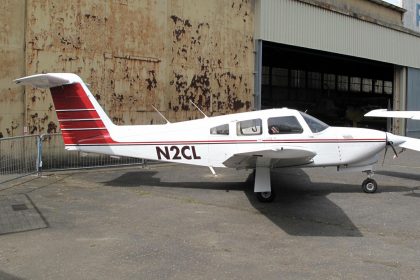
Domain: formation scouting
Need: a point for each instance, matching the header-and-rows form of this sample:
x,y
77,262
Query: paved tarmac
x,y
180,222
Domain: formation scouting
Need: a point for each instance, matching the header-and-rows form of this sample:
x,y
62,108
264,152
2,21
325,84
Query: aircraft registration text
x,y
177,153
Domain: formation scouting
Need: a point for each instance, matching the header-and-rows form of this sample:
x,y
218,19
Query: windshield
x,y
314,124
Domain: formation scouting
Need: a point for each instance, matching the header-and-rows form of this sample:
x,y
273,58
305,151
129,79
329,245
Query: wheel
x,y
369,186
265,196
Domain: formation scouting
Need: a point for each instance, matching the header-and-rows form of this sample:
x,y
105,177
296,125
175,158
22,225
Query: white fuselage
x,y
191,142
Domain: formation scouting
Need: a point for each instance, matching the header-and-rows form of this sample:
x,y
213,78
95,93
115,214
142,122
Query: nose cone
x,y
395,139
359,146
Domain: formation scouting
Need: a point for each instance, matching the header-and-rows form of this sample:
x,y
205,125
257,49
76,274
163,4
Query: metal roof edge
x,y
389,5
363,17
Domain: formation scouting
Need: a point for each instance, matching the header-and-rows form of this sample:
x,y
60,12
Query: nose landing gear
x,y
369,185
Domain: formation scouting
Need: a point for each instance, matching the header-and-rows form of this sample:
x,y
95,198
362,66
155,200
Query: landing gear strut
x,y
262,184
369,185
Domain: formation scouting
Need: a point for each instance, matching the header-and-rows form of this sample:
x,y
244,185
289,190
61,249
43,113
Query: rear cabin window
x,y
220,130
249,127
284,125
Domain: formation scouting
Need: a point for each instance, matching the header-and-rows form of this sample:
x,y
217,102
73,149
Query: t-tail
x,y
82,120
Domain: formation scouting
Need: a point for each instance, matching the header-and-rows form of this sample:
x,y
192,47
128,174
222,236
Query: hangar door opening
x,y
335,88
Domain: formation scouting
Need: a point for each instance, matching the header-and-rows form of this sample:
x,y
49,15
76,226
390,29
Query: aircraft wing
x,y
415,115
274,157
404,141
407,143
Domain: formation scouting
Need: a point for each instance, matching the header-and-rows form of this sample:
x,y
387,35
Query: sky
x,y
395,2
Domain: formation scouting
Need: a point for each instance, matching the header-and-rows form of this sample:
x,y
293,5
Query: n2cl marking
x,y
177,153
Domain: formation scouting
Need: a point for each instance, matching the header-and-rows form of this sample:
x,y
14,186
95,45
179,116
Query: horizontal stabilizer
x,y
48,80
415,115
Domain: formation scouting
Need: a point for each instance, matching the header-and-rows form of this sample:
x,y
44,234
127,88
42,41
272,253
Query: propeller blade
x,y
386,148
393,148
389,143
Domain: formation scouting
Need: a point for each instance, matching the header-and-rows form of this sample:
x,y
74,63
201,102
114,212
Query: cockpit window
x,y
284,125
220,130
314,124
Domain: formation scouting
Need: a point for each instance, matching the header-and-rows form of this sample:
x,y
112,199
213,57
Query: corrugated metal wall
x,y
134,54
299,24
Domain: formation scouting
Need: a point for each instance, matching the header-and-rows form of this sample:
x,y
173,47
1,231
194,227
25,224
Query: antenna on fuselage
x,y
160,114
198,109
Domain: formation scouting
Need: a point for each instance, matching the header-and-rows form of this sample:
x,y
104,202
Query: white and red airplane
x,y
260,140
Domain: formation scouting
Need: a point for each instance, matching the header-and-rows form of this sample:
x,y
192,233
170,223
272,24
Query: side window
x,y
220,130
284,125
249,127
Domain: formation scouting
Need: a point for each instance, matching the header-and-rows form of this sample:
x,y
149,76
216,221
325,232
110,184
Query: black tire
x,y
369,186
265,196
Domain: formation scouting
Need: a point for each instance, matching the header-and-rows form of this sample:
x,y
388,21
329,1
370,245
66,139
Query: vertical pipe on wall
x,y
257,74
25,94
400,97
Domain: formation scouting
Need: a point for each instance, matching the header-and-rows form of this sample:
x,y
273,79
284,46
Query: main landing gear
x,y
264,193
369,185
265,196
262,184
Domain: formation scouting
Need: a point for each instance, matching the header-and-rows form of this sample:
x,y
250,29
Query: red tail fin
x,y
78,118
81,118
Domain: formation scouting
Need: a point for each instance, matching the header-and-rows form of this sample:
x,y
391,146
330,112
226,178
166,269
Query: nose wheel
x,y
369,185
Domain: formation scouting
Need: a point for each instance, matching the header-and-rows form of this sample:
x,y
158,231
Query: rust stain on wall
x,y
135,54
212,60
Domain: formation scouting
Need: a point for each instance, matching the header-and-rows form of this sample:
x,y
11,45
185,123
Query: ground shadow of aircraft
x,y
301,208
7,276
402,175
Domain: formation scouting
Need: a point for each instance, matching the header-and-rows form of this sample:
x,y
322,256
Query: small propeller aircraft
x,y
259,140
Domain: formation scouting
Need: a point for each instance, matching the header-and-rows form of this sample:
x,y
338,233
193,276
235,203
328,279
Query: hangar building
x,y
335,59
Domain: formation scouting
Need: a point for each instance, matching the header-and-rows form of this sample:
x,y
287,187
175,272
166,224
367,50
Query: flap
x,y
274,157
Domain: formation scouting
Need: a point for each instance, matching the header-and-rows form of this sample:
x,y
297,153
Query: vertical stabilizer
x,y
82,120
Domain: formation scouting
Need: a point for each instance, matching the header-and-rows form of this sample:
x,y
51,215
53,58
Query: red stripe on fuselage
x,y
78,117
204,142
